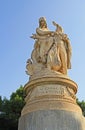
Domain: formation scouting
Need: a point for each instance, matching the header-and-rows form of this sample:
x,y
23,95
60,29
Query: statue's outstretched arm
x,y
55,24
58,27
42,32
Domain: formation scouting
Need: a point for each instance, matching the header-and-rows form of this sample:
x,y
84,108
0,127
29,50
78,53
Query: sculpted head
x,y
42,22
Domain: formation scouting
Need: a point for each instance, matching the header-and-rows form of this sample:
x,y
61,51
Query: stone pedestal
x,y
51,104
52,120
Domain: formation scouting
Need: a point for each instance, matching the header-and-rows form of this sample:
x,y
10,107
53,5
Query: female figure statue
x,y
52,48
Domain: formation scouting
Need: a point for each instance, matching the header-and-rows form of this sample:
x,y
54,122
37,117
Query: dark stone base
x,y
52,120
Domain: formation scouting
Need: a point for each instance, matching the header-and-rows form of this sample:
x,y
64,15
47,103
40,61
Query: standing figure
x,y
44,40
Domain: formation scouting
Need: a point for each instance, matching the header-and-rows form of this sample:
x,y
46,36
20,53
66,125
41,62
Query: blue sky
x,y
19,19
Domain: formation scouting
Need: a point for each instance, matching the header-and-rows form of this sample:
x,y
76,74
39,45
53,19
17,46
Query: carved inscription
x,y
51,89
47,90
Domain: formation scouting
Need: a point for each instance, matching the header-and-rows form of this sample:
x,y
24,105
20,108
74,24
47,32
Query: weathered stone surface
x,y
52,120
50,93
51,105
52,50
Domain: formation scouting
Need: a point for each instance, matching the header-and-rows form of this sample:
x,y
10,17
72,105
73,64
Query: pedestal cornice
x,y
51,93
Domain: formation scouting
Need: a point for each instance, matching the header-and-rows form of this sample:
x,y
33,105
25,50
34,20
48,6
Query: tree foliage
x,y
10,110
82,105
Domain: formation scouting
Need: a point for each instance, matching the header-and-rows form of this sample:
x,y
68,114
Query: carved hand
x,y
33,36
54,23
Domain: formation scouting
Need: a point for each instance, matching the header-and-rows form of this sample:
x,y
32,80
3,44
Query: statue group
x,y
52,50
50,93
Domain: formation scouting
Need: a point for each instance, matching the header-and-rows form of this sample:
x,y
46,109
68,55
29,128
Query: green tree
x,y
82,105
0,104
11,110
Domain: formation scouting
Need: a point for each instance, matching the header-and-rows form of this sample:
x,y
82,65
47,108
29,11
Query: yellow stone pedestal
x,y
51,93
51,100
